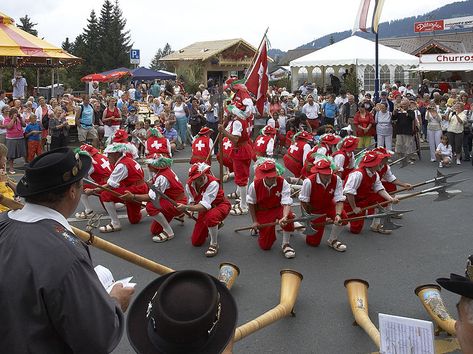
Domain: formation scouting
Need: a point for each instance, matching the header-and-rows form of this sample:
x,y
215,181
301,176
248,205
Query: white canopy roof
x,y
355,50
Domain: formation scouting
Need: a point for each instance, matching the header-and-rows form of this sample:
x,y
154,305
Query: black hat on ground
x,y
182,312
51,170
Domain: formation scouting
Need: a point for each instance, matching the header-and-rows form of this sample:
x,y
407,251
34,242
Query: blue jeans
x,y
181,127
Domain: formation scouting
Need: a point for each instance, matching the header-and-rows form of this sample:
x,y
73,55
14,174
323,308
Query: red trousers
x,y
207,219
389,187
242,171
267,235
315,239
293,166
227,162
34,149
133,209
357,226
167,209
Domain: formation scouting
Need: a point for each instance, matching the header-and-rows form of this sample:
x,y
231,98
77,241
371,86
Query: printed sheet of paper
x,y
402,335
106,278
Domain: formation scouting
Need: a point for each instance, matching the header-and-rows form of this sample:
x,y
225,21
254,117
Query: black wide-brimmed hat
x,y
182,312
51,170
457,284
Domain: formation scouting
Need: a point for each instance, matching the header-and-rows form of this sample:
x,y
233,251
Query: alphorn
x,y
429,295
228,273
290,284
108,246
128,255
357,290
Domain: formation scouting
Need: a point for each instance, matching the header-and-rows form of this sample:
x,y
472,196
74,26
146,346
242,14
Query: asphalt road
x,y
435,240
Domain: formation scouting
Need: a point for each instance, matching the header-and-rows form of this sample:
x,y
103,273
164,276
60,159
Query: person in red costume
x,y
242,104
297,153
227,161
127,176
121,137
207,198
322,193
344,158
362,188
323,148
390,183
269,199
201,147
99,173
162,211
237,132
264,143
157,144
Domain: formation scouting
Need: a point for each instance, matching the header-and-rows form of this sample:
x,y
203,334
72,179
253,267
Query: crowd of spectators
x,y
399,119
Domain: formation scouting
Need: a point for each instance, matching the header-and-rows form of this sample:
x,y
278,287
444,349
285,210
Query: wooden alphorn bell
x,y
290,284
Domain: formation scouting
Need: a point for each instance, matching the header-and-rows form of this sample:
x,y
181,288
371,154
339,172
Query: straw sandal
x,y
337,245
109,228
237,210
211,251
379,229
288,251
83,215
162,237
233,195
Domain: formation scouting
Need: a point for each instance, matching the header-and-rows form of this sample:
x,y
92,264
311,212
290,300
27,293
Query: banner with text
x,y
444,25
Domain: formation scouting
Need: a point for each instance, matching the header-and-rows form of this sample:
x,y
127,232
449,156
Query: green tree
x,y
156,64
91,37
27,25
120,38
67,45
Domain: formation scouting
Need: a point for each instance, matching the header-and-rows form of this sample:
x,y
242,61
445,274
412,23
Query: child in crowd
x,y
7,188
33,138
147,125
132,119
444,152
138,137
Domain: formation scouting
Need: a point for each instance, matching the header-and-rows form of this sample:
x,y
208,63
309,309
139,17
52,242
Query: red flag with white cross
x,y
257,80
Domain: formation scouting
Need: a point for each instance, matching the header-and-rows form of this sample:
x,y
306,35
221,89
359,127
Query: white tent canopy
x,y
352,51
352,54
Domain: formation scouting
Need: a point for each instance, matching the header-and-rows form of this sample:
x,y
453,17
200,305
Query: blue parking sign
x,y
134,56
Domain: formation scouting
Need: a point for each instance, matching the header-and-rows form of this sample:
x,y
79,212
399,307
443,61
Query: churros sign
x,y
447,58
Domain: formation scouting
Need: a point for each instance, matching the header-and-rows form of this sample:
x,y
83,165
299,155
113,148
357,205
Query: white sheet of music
x,y
403,335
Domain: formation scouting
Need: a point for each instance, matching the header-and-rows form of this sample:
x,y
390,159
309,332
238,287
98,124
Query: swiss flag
x,y
257,80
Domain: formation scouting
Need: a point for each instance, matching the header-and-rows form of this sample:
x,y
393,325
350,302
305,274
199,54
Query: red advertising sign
x,y
429,26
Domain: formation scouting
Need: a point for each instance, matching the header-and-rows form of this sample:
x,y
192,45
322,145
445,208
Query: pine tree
x,y
67,45
92,41
121,38
105,35
27,25
156,64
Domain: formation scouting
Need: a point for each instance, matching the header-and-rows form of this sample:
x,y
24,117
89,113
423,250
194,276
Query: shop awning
x,y
444,67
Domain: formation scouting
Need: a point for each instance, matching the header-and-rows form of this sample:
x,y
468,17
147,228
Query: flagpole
x,y
256,55
376,80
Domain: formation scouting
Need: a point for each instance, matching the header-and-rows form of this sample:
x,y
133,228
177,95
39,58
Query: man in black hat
x,y
51,298
463,286
183,312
